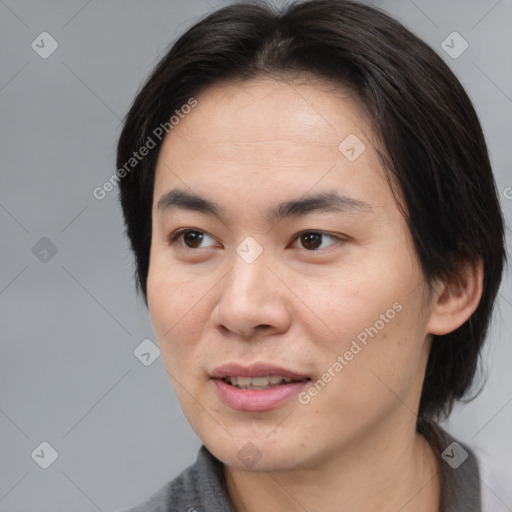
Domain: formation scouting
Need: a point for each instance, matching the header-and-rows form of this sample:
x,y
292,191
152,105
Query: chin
x,y
250,453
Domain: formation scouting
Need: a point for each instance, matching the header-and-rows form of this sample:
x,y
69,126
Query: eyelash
x,y
173,238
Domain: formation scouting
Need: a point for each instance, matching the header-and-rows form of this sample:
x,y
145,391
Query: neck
x,y
394,470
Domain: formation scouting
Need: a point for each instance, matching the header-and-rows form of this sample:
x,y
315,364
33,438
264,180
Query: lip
x,y
254,370
256,399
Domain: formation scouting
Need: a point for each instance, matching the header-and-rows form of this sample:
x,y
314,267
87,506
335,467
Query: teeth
x,y
260,381
242,381
257,382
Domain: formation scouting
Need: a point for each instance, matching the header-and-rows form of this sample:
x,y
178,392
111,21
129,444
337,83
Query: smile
x,y
256,387
267,382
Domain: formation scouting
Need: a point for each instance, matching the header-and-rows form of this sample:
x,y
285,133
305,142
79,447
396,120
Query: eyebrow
x,y
320,202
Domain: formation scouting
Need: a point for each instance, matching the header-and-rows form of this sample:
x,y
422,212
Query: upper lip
x,y
254,370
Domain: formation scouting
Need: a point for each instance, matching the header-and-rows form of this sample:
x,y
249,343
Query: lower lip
x,y
257,399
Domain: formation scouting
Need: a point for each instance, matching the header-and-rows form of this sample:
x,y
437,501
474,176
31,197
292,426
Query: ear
x,y
456,299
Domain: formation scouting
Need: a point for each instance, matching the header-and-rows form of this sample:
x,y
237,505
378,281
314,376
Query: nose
x,y
252,300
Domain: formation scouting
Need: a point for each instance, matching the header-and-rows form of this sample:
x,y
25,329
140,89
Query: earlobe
x,y
456,299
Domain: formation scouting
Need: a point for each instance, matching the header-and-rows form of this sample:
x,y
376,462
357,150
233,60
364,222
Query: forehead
x,y
274,134
271,112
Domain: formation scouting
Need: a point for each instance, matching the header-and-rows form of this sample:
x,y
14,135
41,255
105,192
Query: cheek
x,y
178,309
344,305
377,325
382,362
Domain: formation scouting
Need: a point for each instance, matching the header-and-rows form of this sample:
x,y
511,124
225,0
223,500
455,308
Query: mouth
x,y
257,387
267,382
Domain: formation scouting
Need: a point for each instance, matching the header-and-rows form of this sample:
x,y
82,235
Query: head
x,y
322,200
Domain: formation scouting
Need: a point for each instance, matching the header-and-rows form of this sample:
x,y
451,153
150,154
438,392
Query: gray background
x,y
71,321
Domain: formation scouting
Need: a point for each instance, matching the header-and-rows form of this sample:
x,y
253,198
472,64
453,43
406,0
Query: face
x,y
278,251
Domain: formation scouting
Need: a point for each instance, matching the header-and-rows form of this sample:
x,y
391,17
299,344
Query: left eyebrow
x,y
320,202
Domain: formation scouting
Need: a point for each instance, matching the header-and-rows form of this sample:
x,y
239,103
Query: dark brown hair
x,y
434,147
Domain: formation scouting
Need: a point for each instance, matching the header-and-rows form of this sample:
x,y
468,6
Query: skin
x,y
353,447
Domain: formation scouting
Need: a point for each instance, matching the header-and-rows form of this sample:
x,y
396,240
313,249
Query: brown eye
x,y
312,240
192,239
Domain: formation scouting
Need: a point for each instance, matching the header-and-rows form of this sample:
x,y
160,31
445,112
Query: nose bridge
x,y
249,275
249,297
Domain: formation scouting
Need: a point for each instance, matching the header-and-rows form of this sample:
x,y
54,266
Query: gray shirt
x,y
202,488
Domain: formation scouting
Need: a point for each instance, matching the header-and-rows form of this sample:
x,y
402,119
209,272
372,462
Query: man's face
x,y
332,295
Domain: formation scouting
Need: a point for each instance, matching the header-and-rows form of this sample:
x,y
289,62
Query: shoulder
x,y
461,476
199,487
496,484
471,483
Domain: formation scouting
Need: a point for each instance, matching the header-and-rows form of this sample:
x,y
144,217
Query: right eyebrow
x,y
178,198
